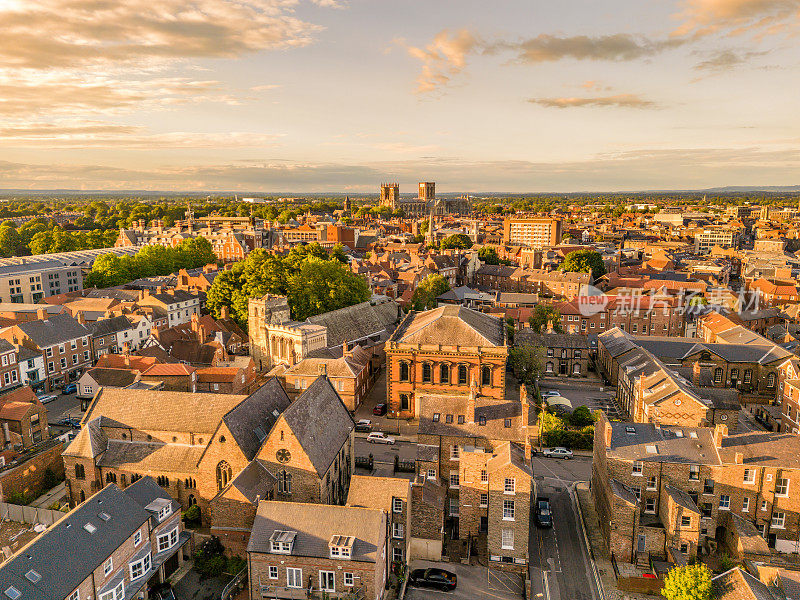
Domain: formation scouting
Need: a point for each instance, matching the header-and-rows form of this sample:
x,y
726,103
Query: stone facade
x,y
260,312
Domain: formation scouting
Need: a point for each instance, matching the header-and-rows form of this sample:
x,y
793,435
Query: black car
x,y
434,578
544,518
163,592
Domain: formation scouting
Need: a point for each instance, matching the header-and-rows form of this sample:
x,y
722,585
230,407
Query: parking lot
x,y
473,582
589,393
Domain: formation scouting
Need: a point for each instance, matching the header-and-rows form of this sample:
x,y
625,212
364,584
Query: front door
x,y
562,368
484,524
641,543
771,540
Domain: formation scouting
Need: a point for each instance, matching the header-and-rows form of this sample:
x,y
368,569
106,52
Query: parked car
x,y
551,393
557,453
44,398
380,409
70,388
70,422
378,437
434,578
364,425
544,517
163,592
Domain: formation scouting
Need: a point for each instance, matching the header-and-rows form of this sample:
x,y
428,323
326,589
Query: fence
x,y
29,514
234,584
640,585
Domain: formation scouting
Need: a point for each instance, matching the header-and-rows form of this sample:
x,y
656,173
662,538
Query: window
x,y
724,502
462,374
137,538
484,476
273,572
73,344
718,372
708,486
76,595
85,355
427,373
403,371
284,482
397,531
778,519
431,474
482,420
454,479
436,417
444,373
51,367
460,419
448,419
48,352
782,487
327,581
749,476
294,577
549,352
684,548
510,485
454,452
140,567
118,593
637,467
694,472
397,505
484,500
348,579
486,375
453,507
224,475
63,362
108,566
651,483
686,521
164,512
745,504
764,505
771,378
507,539
508,510
507,423
637,491
167,540
650,505
748,375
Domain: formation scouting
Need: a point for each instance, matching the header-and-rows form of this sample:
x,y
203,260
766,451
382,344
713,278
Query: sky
x,y
315,96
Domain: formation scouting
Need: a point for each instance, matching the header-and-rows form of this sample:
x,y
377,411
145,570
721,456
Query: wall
x,y
26,478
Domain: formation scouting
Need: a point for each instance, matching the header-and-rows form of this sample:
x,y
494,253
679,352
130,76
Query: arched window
x,y
124,480
462,374
486,375
548,367
111,478
403,371
224,475
284,482
427,373
83,496
403,401
718,375
80,472
576,369
771,378
192,500
444,373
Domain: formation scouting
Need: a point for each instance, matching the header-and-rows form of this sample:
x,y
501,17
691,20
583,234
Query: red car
x,y
380,409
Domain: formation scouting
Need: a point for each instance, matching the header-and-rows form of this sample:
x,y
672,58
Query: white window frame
x,y
397,505
749,476
507,539
510,486
724,502
398,531
108,566
145,563
171,540
431,474
484,503
137,538
76,595
273,571
294,577
348,579
776,522
164,512
324,588
638,468
746,504
455,480
118,593
779,485
484,476
455,453
509,510
647,503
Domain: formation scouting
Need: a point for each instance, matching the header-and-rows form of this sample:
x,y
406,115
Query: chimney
x,y
6,432
696,371
738,458
159,289
126,348
471,402
195,322
550,326
720,432
609,431
42,314
345,350
154,331
323,369
224,313
80,318
127,359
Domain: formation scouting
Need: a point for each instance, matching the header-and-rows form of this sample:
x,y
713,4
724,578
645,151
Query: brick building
x,y
687,490
565,354
392,495
333,551
23,413
448,351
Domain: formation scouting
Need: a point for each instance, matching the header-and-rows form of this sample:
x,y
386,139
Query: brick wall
x,y
27,478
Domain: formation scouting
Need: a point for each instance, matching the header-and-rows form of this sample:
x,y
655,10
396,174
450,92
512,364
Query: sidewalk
x,y
601,558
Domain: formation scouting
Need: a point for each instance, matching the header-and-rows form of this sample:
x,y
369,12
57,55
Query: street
x,y
559,559
65,405
385,453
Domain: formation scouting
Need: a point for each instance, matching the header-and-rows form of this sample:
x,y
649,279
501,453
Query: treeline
x,y
313,280
109,269
43,236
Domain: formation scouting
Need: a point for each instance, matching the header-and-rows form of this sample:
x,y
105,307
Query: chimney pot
x,y
739,458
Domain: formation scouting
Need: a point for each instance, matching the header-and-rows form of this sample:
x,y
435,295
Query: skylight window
x,y
33,576
678,433
630,430
651,449
90,528
693,434
13,593
105,516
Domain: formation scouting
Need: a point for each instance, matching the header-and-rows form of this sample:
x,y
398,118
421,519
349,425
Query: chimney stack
x,y
738,458
720,432
471,402
80,318
224,312
609,432
41,313
696,371
194,322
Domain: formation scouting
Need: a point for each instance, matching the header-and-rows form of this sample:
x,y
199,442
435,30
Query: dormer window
x,y
282,542
341,546
164,512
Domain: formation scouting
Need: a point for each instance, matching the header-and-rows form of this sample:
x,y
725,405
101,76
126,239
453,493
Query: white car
x,y
378,437
551,393
557,453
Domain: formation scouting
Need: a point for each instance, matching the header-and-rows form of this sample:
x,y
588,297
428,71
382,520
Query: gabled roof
x,y
109,326
112,377
255,482
737,584
320,422
55,330
453,325
359,321
251,420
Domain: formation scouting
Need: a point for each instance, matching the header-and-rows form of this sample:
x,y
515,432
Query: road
x,y
66,405
385,452
585,392
559,558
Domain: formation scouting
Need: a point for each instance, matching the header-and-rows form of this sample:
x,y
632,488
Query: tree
x,y
488,255
692,582
428,290
194,252
526,362
584,261
581,417
9,240
542,315
324,285
457,240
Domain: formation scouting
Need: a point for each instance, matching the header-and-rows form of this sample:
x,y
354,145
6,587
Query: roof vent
x,y
678,433
630,430
33,576
90,528
693,434
105,516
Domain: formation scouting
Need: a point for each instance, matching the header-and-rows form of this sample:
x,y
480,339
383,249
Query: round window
x,y
723,417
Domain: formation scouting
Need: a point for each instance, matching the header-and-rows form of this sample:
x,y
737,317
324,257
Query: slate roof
x,y
255,482
763,448
108,326
316,524
495,411
112,377
151,457
251,420
681,498
320,422
737,584
55,330
622,491
377,492
359,321
669,446
66,554
453,325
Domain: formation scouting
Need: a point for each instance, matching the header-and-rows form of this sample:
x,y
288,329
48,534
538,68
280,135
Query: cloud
x,y
42,34
442,59
639,169
725,60
705,17
617,47
618,101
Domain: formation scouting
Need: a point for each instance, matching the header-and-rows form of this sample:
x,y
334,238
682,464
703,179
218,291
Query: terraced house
x,y
684,491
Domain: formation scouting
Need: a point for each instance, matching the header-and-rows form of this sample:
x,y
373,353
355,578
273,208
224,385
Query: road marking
x,y
564,483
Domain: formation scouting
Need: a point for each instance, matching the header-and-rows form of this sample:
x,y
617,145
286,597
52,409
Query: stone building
x,y
261,312
327,551
681,491
449,351
565,354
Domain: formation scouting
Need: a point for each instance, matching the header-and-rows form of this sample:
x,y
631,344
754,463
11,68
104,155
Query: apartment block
x,y
29,279
531,232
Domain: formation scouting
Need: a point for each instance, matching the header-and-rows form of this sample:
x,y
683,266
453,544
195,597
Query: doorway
x,y
641,543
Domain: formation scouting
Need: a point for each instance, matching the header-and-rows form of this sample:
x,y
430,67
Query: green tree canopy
x,y
692,582
526,362
428,290
584,261
324,285
542,314
489,255
457,240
